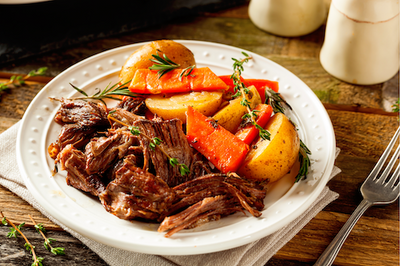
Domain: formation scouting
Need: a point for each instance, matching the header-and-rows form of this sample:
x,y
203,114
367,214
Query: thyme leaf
x,y
47,241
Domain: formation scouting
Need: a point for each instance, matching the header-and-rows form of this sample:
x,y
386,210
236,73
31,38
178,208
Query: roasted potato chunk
x,y
231,115
175,106
272,159
177,52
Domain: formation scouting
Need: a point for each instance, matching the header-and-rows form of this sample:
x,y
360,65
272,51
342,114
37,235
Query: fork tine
x,y
394,177
390,165
373,174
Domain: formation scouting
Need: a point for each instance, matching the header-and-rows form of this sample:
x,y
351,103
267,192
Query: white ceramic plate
x,y
85,214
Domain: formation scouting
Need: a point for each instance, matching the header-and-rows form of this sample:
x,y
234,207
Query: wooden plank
x,y
14,101
12,250
361,134
369,232
9,200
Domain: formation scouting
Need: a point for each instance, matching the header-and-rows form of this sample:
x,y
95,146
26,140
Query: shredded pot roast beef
x,y
136,181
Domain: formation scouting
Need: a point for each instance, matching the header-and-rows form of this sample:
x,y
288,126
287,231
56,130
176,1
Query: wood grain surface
x,y
361,117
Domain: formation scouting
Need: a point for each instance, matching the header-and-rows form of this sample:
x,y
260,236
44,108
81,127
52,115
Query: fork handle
x,y
330,253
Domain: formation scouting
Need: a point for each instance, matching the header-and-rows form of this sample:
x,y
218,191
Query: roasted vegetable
x,y
140,59
219,146
260,84
175,106
231,115
272,159
249,132
148,81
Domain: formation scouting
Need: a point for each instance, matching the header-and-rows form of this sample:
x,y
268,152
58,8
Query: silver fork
x,y
376,189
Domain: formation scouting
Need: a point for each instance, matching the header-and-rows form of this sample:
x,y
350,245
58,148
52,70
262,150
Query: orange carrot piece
x,y
146,81
249,132
260,84
218,145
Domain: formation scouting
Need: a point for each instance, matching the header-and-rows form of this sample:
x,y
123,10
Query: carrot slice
x,y
218,145
260,84
147,81
249,132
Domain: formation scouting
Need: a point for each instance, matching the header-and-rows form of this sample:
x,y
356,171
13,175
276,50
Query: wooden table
x,y
361,117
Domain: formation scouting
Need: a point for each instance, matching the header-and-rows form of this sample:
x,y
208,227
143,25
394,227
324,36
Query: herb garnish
x,y
242,90
47,241
277,103
186,72
15,231
153,143
275,100
108,93
395,106
18,80
163,65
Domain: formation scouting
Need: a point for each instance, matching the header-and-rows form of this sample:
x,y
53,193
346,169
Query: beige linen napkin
x,y
256,253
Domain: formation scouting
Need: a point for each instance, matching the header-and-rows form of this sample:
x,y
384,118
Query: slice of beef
x,y
74,161
80,121
82,113
136,193
201,166
173,142
103,152
123,116
133,105
210,197
76,135
215,207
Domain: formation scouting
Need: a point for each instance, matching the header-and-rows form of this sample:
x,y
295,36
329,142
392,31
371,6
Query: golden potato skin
x,y
272,159
177,52
231,115
175,106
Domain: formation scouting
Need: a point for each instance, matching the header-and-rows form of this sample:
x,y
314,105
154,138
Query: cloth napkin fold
x,y
256,253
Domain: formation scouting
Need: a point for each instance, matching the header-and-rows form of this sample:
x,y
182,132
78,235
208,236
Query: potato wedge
x,y
177,52
272,159
175,106
231,115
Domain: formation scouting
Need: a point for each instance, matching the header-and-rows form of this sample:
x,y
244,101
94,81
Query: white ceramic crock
x,y
361,43
288,17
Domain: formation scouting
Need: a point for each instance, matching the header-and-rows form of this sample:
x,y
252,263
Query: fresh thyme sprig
x,y
153,143
18,80
109,92
242,90
47,241
37,261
